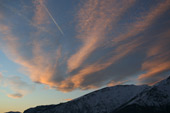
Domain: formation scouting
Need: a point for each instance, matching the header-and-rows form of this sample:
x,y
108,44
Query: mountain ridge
x,y
116,99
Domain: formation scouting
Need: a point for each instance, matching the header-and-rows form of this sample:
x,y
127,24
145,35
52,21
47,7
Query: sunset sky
x,y
52,51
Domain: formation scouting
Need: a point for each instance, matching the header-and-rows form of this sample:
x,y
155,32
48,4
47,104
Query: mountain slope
x,y
156,100
101,101
117,99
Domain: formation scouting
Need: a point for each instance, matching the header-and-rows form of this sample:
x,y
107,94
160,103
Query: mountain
x,y
117,99
101,101
155,100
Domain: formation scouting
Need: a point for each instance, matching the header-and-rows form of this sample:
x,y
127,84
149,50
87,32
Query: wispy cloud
x,y
94,20
144,21
157,61
40,13
114,83
68,99
16,85
1,16
15,96
139,47
78,80
41,16
0,76
40,65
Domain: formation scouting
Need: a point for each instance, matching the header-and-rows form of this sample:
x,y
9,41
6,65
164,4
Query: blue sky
x,y
52,51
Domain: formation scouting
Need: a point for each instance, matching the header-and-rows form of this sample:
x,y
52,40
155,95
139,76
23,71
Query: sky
x,y
52,51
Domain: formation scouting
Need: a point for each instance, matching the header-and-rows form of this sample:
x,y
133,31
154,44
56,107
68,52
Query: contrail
x,y
53,19
24,17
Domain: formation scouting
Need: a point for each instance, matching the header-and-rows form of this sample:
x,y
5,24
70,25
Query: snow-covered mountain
x,y
156,99
117,99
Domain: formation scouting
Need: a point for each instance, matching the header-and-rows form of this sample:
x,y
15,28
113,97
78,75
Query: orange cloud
x,y
16,85
156,70
0,76
15,96
40,13
160,46
158,60
68,99
155,66
4,29
94,21
41,67
114,83
144,22
1,16
76,80
10,40
76,60
41,19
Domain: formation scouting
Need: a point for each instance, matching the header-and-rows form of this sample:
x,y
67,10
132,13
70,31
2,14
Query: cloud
x,y
16,85
113,83
86,74
68,99
144,21
157,61
1,77
94,18
4,29
37,61
120,50
16,95
33,59
40,13
116,40
1,16
156,66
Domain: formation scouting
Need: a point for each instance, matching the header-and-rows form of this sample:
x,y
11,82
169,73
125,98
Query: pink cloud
x,y
16,85
40,13
144,22
94,20
68,99
157,60
15,96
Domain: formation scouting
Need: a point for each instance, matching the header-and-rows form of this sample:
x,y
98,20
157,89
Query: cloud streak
x,y
92,29
144,21
40,15
19,87
158,61
110,47
15,96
